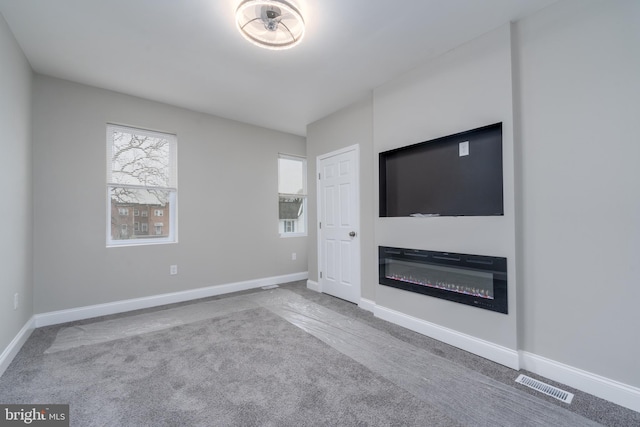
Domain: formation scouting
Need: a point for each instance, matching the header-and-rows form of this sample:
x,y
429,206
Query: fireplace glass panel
x,y
477,280
467,282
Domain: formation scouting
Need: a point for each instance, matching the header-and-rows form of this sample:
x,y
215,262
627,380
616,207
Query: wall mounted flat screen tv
x,y
456,175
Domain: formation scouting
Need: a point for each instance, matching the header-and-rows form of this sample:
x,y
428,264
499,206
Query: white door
x,y
338,216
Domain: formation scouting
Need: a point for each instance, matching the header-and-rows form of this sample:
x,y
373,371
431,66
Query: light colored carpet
x,y
248,368
262,358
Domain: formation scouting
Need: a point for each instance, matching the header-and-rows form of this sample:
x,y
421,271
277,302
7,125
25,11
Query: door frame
x,y
356,148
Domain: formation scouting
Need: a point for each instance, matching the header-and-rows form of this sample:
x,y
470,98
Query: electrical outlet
x,y
173,269
293,256
15,301
463,148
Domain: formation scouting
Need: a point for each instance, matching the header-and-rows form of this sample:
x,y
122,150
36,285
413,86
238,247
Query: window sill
x,y
141,242
287,235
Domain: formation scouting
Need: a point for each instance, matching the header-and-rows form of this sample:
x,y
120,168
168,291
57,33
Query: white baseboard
x,y
70,315
367,304
605,388
314,286
486,349
15,345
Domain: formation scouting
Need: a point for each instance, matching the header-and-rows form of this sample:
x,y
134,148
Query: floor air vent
x,y
547,389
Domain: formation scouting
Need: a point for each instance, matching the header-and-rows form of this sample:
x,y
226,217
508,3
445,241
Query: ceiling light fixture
x,y
272,24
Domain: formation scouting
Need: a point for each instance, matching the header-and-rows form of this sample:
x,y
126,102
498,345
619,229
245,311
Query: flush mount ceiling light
x,y
272,24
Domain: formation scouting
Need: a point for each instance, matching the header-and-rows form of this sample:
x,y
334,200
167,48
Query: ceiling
x,y
188,53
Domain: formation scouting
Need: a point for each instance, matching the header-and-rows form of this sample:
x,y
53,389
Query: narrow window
x,y
141,175
292,195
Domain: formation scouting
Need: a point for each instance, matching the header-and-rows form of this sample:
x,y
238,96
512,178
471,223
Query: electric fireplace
x,y
477,280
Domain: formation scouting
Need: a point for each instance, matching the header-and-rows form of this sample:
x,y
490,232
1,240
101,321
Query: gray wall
x,y
16,249
571,219
466,88
349,126
578,102
228,204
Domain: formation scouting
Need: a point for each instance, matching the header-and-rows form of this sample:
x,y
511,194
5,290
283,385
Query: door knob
x,y
352,234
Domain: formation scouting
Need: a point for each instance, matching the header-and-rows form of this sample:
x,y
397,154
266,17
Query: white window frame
x,y
303,196
173,190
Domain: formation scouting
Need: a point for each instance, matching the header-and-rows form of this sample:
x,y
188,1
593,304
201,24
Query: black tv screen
x,y
456,175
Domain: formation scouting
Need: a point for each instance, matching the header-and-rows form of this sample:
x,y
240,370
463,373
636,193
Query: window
x,y
158,212
136,226
289,226
142,175
292,195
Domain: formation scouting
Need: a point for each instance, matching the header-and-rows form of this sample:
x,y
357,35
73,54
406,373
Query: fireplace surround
x,y
476,280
